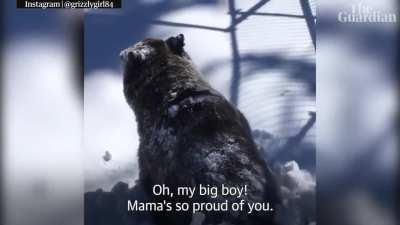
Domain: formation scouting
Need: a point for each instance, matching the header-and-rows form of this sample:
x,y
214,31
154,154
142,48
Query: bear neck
x,y
150,101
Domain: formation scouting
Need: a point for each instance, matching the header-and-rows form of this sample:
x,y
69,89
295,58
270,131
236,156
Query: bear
x,y
191,135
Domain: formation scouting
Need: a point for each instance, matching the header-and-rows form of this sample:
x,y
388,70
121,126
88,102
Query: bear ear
x,y
176,44
181,40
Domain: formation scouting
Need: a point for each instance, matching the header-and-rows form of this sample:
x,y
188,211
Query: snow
x,y
298,180
173,110
139,50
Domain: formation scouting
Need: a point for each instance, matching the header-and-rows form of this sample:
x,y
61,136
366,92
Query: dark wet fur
x,y
190,135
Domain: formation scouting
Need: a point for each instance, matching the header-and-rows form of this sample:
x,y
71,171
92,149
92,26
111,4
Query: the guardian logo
x,y
362,13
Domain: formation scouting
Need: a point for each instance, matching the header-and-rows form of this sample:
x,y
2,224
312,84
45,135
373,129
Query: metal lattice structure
x,y
289,108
